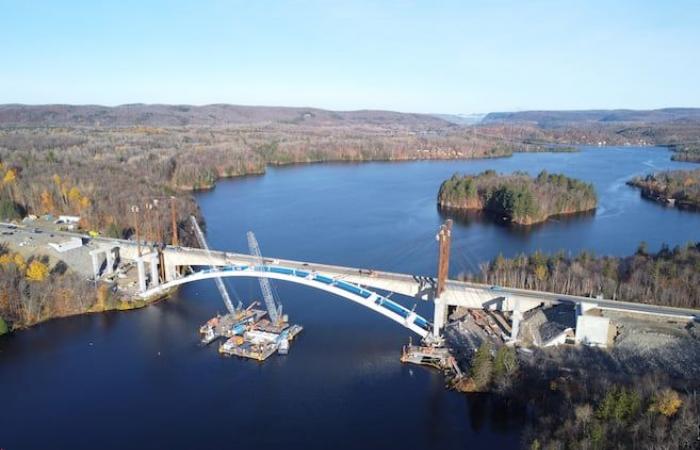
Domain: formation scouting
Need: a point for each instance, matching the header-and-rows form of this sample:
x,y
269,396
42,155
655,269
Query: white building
x,y
593,330
70,244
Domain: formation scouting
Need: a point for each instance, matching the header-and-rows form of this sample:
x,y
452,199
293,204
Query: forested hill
x,y
15,115
589,117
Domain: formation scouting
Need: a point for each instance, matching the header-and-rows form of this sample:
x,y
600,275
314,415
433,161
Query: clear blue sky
x,y
431,56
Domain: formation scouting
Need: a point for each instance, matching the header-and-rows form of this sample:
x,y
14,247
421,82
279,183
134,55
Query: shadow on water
x,y
485,218
494,412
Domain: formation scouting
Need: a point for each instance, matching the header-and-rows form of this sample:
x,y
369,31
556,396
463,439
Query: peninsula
x,y
680,188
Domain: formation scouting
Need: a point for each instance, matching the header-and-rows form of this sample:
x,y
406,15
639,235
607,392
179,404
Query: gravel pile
x,y
641,347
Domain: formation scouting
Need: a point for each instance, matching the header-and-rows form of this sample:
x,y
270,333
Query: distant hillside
x,y
568,118
14,115
461,119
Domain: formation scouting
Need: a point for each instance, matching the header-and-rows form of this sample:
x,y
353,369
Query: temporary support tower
x,y
444,238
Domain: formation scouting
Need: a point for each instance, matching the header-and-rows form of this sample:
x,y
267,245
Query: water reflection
x,y
481,218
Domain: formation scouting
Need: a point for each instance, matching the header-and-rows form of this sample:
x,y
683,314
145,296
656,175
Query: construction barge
x,y
229,325
249,334
437,357
261,340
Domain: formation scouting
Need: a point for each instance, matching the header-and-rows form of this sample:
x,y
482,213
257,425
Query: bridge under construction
x,y
160,269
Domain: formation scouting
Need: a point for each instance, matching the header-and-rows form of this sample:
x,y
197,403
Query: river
x,y
140,380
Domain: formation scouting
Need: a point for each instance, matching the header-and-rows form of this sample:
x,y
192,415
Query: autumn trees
x,y
679,186
668,277
100,173
522,199
97,178
31,291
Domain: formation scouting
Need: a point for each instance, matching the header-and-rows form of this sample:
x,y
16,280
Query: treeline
x,y
521,198
32,291
669,277
681,187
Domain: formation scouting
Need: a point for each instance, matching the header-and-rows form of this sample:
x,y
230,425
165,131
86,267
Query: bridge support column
x,y
170,272
141,265
516,318
110,261
155,280
95,264
439,317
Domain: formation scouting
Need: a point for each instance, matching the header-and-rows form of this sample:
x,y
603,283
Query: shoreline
x,y
448,208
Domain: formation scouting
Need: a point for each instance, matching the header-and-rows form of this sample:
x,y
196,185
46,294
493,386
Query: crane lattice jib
x,y
265,287
219,282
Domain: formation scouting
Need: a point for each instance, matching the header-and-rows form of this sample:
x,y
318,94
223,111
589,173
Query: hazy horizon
x,y
467,113
420,57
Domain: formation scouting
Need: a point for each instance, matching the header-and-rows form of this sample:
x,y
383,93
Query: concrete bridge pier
x,y
95,264
141,265
152,260
439,317
155,279
97,258
516,318
109,254
170,271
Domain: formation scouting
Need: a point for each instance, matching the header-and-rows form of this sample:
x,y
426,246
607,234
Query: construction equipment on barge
x,y
437,357
264,336
248,333
231,324
260,344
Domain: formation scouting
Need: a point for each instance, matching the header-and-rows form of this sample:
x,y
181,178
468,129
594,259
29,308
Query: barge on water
x,y
261,340
229,325
437,357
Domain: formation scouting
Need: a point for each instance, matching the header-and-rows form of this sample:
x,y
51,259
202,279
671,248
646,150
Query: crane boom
x,y
265,287
219,282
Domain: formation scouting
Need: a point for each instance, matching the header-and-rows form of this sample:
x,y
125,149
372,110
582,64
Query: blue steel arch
x,y
339,287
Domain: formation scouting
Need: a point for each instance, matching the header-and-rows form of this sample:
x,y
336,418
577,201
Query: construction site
x,y
248,332
632,341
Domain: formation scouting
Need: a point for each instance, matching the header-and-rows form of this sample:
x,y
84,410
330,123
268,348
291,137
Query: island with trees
x,y
680,188
519,197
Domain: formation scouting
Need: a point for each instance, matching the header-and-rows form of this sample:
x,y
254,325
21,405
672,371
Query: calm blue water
x,y
140,380
384,215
